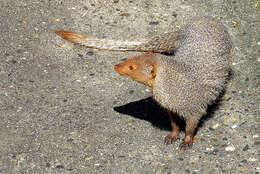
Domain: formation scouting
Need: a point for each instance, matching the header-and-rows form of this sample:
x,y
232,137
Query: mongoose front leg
x,y
172,137
191,125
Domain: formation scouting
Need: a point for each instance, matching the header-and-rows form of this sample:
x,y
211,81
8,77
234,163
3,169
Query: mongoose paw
x,y
186,144
169,139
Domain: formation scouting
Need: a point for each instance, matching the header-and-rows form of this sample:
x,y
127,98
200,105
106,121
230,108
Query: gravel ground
x,y
65,110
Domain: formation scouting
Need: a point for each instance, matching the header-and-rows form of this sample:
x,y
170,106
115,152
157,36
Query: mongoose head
x,y
142,68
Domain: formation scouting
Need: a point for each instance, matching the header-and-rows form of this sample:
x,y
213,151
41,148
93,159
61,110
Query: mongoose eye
x,y
131,67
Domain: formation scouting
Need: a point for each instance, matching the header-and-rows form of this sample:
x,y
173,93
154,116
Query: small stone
x,y
174,14
234,126
255,136
69,140
154,23
90,53
218,137
153,164
13,61
215,126
59,167
244,161
209,149
235,22
252,159
131,91
230,148
125,14
61,46
147,90
246,148
187,171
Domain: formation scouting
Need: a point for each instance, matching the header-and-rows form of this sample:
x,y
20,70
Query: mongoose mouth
x,y
119,69
116,68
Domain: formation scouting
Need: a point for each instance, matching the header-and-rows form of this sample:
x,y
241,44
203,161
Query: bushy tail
x,y
162,43
103,44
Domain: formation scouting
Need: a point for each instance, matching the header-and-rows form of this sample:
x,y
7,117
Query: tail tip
x,y
62,32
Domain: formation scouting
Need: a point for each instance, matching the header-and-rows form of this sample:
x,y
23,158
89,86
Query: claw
x,y
185,145
169,139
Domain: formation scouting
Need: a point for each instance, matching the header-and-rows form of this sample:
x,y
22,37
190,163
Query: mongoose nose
x,y
116,67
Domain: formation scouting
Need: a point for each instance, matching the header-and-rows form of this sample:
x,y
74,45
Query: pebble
x,y
230,148
215,126
255,136
210,149
230,120
148,90
252,159
235,22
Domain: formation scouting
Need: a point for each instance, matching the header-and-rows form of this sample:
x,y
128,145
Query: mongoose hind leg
x,y
172,137
191,125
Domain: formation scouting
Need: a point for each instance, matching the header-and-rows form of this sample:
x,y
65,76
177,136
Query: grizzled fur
x,y
191,79
184,82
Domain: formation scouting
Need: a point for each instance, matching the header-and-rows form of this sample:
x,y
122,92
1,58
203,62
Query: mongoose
x,y
185,81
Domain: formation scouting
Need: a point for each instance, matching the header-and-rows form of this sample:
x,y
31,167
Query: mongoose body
x,y
190,78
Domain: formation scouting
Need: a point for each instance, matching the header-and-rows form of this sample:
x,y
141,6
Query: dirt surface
x,y
65,110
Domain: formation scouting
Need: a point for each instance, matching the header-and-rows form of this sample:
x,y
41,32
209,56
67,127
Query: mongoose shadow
x,y
149,110
146,109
